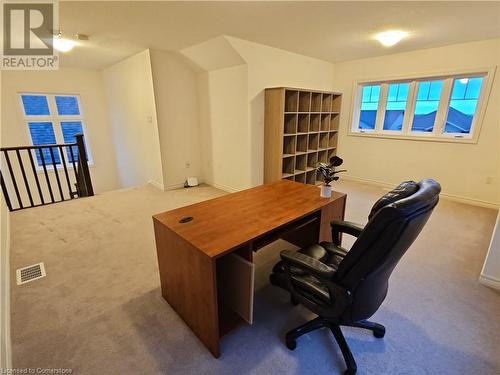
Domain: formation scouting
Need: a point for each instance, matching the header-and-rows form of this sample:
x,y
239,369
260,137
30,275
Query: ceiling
x,y
332,31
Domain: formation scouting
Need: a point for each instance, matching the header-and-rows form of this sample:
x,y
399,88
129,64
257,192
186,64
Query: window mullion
x,y
56,125
382,104
410,107
444,101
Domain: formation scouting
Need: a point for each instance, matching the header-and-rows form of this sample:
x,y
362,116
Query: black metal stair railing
x,y
22,186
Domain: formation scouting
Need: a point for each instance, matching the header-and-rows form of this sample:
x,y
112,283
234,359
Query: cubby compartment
x,y
331,152
325,123
288,168
291,101
316,100
332,139
311,177
323,156
303,124
323,141
304,101
301,178
300,163
334,121
290,178
326,104
314,123
312,160
288,145
336,103
319,178
313,142
290,123
301,143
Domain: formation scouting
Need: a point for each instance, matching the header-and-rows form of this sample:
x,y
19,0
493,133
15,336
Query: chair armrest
x,y
307,263
341,226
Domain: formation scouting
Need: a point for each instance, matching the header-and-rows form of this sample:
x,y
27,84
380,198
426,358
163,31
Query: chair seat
x,y
327,253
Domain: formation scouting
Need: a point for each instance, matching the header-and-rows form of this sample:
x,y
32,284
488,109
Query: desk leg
x,y
335,210
188,283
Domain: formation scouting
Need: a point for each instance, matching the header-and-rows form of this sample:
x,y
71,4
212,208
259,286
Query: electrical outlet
x,y
187,165
489,180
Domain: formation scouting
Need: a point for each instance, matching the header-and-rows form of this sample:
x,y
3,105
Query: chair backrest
x,y
394,223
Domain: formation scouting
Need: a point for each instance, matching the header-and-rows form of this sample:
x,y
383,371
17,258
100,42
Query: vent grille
x,y
30,273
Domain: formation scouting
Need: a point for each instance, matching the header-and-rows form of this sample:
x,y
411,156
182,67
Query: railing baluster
x,y
44,166
25,179
33,168
55,172
13,178
74,167
63,161
5,192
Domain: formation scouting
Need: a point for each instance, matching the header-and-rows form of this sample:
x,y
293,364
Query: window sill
x,y
428,138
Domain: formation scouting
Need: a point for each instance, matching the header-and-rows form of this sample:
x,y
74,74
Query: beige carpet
x,y
100,311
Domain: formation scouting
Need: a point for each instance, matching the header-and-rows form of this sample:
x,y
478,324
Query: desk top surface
x,y
226,222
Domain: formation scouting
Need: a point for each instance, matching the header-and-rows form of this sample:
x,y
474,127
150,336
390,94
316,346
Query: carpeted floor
x,y
100,311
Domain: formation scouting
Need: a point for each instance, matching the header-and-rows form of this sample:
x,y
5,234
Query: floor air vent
x,y
30,273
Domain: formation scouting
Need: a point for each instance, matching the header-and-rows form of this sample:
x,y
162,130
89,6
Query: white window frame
x,y
437,135
56,120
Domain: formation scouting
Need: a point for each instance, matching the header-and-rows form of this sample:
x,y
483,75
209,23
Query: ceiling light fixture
x,y
63,45
391,37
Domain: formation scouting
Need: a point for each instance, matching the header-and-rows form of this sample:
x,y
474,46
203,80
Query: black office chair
x,y
346,287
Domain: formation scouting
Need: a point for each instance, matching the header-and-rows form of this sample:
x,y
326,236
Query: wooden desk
x,y
237,223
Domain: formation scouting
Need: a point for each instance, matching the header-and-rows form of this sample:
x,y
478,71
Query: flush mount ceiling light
x,y
65,45
391,37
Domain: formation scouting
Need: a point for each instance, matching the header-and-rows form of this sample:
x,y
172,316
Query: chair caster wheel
x,y
350,372
379,333
291,344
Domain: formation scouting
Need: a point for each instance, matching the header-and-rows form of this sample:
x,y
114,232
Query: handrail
x,y
50,158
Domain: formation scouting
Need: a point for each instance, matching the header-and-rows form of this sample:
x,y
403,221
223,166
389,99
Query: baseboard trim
x,y
451,197
489,281
156,184
229,189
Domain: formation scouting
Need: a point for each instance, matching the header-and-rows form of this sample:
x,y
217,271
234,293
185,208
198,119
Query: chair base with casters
x,y
317,323
346,287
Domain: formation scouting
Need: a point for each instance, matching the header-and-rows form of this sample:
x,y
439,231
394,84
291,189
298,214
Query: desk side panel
x,y
334,210
188,284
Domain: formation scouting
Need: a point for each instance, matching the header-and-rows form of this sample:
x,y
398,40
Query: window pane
x,y
42,133
463,103
369,105
397,96
35,105
67,105
69,130
426,106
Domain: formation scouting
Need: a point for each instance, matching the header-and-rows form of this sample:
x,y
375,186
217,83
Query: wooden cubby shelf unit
x,y
301,129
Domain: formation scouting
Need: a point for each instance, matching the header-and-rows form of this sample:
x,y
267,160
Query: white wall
x,y
462,169
89,85
232,103
133,120
5,345
175,83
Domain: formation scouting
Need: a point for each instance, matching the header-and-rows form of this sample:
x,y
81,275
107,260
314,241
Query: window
x,y
369,104
427,108
396,103
53,119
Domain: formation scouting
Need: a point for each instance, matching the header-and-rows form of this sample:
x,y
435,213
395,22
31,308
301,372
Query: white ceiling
x,y
333,31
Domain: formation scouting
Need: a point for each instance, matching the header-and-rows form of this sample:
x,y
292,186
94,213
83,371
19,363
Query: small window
x,y
463,104
369,105
421,108
53,119
426,106
397,95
